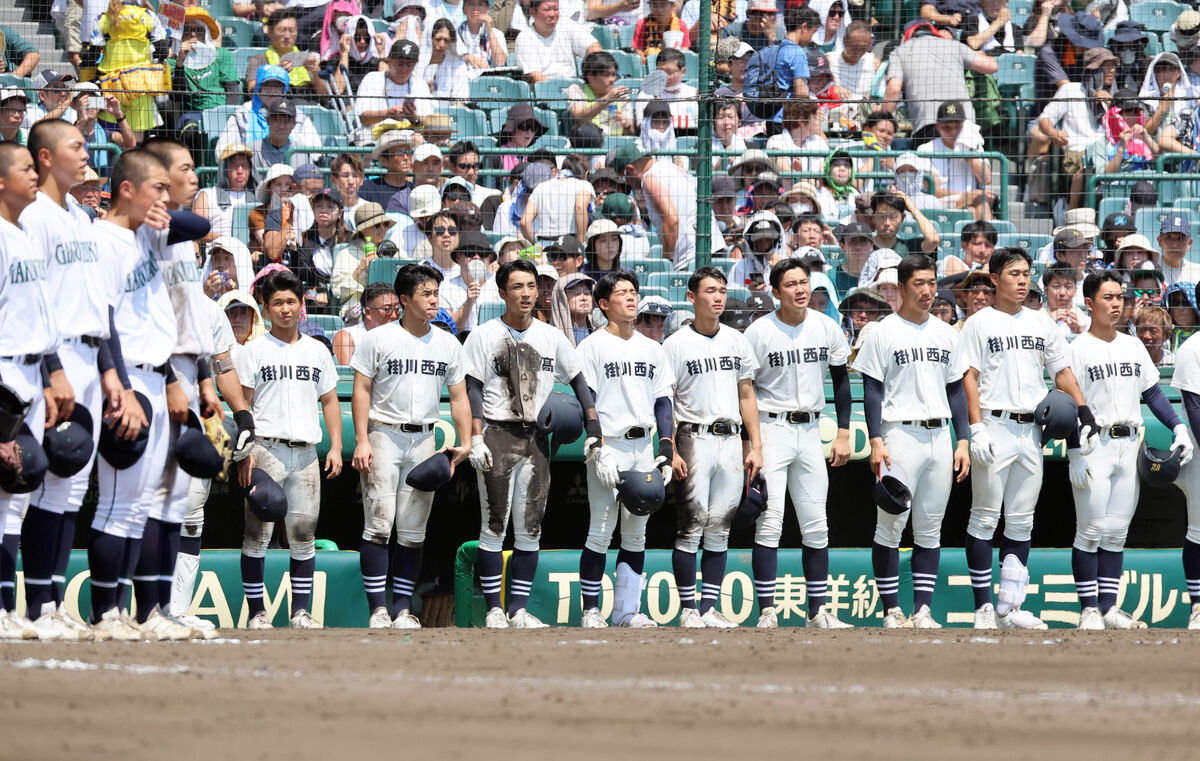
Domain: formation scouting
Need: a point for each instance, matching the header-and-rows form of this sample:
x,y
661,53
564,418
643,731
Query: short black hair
x,y
133,167
412,275
508,268
887,198
1058,269
671,55
699,275
9,151
1002,257
912,264
276,282
878,116
604,288
46,134
807,219
598,62
979,227
1097,278
374,291
283,14
797,16
460,149
784,266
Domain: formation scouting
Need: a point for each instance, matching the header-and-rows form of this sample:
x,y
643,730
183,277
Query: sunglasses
x,y
836,12
468,167
475,254
1140,292
439,230
528,126
557,256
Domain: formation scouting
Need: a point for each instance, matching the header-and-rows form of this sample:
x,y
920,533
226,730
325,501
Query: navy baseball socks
x,y
816,576
1086,569
524,566
39,540
1108,573
764,562
62,553
925,561
406,568
683,564
712,573
253,571
591,570
1191,569
490,566
145,575
885,562
373,560
106,558
301,572
979,562
8,571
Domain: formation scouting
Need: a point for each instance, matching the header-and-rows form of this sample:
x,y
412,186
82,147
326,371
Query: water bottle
x,y
368,248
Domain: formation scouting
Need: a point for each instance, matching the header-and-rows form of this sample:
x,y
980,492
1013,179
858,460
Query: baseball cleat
x,y
714,619
689,618
768,619
523,619
1116,618
638,621
1194,619
15,627
406,620
985,616
74,629
1090,620
496,619
259,621
894,618
1019,619
593,620
302,619
117,627
923,618
380,619
159,628
825,619
49,627
196,624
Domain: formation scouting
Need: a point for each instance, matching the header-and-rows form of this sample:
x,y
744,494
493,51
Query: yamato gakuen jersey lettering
x,y
76,251
21,271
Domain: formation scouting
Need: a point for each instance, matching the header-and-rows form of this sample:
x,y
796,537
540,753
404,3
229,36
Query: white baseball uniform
x,y
146,323
517,370
1010,352
1187,378
707,370
287,381
914,363
793,362
627,376
1112,376
407,375
88,281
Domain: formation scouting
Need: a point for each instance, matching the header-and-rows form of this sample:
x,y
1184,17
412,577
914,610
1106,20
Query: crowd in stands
x,y
341,139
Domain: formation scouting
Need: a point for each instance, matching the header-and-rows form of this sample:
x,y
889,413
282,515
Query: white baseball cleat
x,y
159,628
923,619
1019,619
406,620
768,619
593,620
985,616
15,627
894,618
380,619
1090,619
201,628
714,619
302,619
117,627
259,621
523,619
637,621
74,629
689,618
1116,618
1194,619
49,627
825,619
496,619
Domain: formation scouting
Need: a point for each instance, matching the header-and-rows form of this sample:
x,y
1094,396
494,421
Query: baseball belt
x,y
1121,431
159,369
719,428
637,432
405,427
92,341
931,423
285,442
795,417
1024,418
23,359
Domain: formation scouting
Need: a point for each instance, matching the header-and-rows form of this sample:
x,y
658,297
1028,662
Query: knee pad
x,y
815,533
982,523
304,550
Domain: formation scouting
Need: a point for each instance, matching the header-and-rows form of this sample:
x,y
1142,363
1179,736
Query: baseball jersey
x,y
518,367
707,370
288,380
626,375
144,317
27,326
1112,376
407,372
794,360
1010,352
914,363
86,283
1186,376
182,276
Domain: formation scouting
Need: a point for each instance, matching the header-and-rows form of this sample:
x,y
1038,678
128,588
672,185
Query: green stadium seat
x,y
1110,206
1030,242
612,142
948,244
489,310
674,282
946,219
909,229
326,121
1155,16
553,92
1149,220
239,33
646,291
1001,225
737,292
633,83
330,323
384,269
605,36
725,264
1191,203
683,305
212,120
625,36
469,123
241,59
556,143
629,64
218,8
494,92
647,267
241,221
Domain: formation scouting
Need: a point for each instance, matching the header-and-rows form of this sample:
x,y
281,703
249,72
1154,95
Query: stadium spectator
x,y
652,315
352,262
559,206
1116,226
835,189
762,27
13,102
854,65
481,46
472,286
202,70
1033,298
1180,301
830,35
463,161
910,173
763,245
945,309
394,93
1060,59
1152,326
358,55
978,242
521,127
549,48
1145,285
273,149
380,306
656,134
53,98
235,186
1059,284
859,308
249,122
571,306
878,131
602,250
992,31
564,254
313,262
426,170
679,95
1134,250
229,267
1175,240
888,211
947,14
407,23
735,55
927,69
857,244
302,67
395,152
660,28
447,77
726,118
1129,44
20,57
599,101
274,192
802,130
974,292
89,192
963,180
1127,145
87,102
127,67
346,176
791,58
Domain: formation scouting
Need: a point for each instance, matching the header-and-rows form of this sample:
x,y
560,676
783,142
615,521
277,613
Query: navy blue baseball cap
x,y
121,453
1119,221
194,451
265,497
1176,223
33,465
68,445
432,474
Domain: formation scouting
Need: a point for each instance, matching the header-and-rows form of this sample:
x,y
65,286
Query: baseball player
x,y
793,349
1114,372
399,371
284,375
1186,378
631,380
512,364
912,389
1005,348
28,331
714,368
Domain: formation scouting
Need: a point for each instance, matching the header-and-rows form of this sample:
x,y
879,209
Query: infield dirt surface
x,y
616,694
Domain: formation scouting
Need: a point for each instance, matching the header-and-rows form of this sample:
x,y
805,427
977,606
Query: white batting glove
x,y
481,456
1087,439
1077,470
663,464
591,448
981,445
1182,442
606,468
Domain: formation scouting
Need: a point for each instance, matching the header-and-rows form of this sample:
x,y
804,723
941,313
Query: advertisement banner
x,y
1152,588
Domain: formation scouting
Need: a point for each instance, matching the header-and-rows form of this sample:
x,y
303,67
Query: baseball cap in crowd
x,y
1176,223
1071,237
404,50
1082,219
657,109
724,186
274,173
368,214
426,151
1119,222
545,270
1187,29
1148,269
885,276
1141,195
755,157
13,92
605,174
1126,99
855,230
456,183
759,304
568,244
951,111
1097,57
762,6
1132,241
309,171
51,77
474,242
736,315
391,139
731,49
87,88
616,205
677,320
282,107
655,306
424,201
818,63
235,149
627,154
769,179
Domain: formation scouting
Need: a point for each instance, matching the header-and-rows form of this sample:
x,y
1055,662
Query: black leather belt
x,y
515,426
160,369
717,429
24,359
795,417
1024,418
92,341
931,423
1121,431
286,443
637,432
409,427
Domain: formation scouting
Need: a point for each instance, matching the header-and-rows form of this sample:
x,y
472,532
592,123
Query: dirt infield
x,y
568,693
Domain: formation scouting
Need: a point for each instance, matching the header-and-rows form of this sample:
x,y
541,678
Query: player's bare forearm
x,y
64,396
333,424
360,404
177,402
962,461
1067,383
231,388
879,454
971,387
210,403
748,405
460,413
114,392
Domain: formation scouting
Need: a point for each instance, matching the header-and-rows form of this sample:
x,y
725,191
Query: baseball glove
x,y
10,465
216,432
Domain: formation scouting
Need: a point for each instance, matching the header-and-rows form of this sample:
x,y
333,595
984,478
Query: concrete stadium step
x,y
38,34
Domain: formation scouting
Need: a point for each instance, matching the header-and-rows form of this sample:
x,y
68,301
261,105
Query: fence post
x,y
704,140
